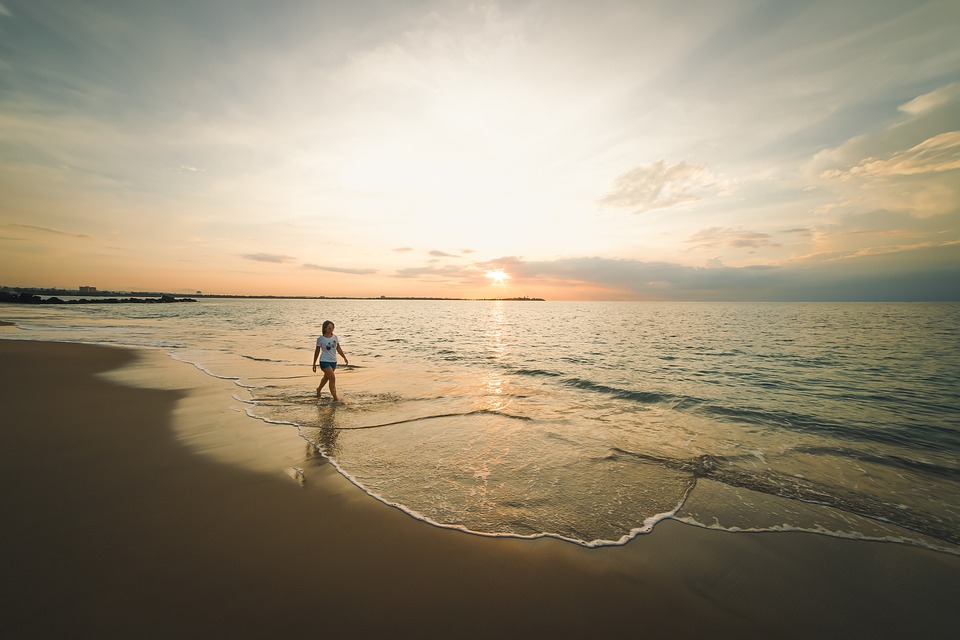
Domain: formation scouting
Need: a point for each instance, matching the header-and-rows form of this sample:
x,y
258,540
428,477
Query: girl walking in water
x,y
328,346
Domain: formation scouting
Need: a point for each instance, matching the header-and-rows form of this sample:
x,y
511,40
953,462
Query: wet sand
x,y
158,511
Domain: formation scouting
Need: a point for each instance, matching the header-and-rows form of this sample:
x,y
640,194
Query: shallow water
x,y
593,421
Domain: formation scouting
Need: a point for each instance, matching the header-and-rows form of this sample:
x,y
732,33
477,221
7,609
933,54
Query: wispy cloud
x,y
905,167
30,227
933,100
443,254
738,238
4,11
268,257
936,154
451,274
660,185
356,272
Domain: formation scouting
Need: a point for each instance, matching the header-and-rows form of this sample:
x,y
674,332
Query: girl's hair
x,y
325,323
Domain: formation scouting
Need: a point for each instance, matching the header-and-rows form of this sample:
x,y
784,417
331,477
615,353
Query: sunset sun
x,y
497,276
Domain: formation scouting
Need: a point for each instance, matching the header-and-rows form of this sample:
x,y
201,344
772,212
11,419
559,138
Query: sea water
x,y
593,421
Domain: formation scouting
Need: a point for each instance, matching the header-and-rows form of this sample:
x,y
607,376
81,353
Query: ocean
x,y
593,421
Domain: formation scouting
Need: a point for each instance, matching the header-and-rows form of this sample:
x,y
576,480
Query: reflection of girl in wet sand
x,y
328,346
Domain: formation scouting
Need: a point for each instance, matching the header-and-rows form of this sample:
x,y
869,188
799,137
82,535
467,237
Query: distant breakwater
x,y
31,298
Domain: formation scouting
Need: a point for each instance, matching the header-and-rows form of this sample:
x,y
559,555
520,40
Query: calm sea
x,y
594,421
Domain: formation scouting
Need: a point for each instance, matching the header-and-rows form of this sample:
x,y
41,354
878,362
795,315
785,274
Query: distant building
x,y
88,289
199,293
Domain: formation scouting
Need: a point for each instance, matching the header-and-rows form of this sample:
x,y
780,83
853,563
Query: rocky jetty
x,y
32,298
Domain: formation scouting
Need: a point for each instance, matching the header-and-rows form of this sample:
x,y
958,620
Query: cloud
x,y
448,274
925,271
931,101
659,185
30,227
738,238
268,257
355,272
403,249
926,118
934,155
443,254
4,11
906,167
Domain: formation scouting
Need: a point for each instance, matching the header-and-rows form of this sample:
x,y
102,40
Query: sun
x,y
497,276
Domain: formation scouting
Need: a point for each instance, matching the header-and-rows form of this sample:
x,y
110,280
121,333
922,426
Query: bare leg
x,y
333,384
324,381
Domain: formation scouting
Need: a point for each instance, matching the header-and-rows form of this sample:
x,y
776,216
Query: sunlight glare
x,y
497,276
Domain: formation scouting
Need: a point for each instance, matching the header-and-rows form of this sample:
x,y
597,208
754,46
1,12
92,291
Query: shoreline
x,y
152,508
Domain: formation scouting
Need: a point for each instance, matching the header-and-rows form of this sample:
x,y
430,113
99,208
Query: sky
x,y
570,150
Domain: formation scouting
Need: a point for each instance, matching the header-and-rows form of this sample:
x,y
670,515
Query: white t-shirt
x,y
328,348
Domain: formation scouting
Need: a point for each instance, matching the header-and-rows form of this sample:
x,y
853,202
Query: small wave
x,y
537,372
646,397
434,417
262,359
239,399
793,487
818,530
888,461
932,437
284,423
200,367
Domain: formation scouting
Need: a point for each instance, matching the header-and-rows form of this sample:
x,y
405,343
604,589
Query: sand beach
x,y
139,504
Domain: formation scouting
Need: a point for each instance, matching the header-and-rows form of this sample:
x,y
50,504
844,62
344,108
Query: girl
x,y
328,346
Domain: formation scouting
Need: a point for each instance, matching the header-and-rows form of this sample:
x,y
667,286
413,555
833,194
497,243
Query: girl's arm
x,y
316,352
342,354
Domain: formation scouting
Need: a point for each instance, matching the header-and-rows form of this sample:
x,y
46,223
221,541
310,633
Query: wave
x,y
645,397
896,462
262,359
431,417
793,487
929,437
200,367
537,372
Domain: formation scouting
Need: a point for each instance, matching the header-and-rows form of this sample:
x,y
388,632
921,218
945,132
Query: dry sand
x,y
123,518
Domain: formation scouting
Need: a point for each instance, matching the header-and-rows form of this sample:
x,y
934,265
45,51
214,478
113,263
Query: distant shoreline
x,y
22,295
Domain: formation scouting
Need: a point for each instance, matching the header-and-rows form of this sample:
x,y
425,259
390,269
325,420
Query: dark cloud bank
x,y
923,274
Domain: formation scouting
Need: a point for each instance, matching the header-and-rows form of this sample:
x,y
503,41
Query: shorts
x,y
328,365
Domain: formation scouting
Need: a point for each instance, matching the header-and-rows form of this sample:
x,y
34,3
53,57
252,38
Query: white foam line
x,y
821,531
205,370
269,421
